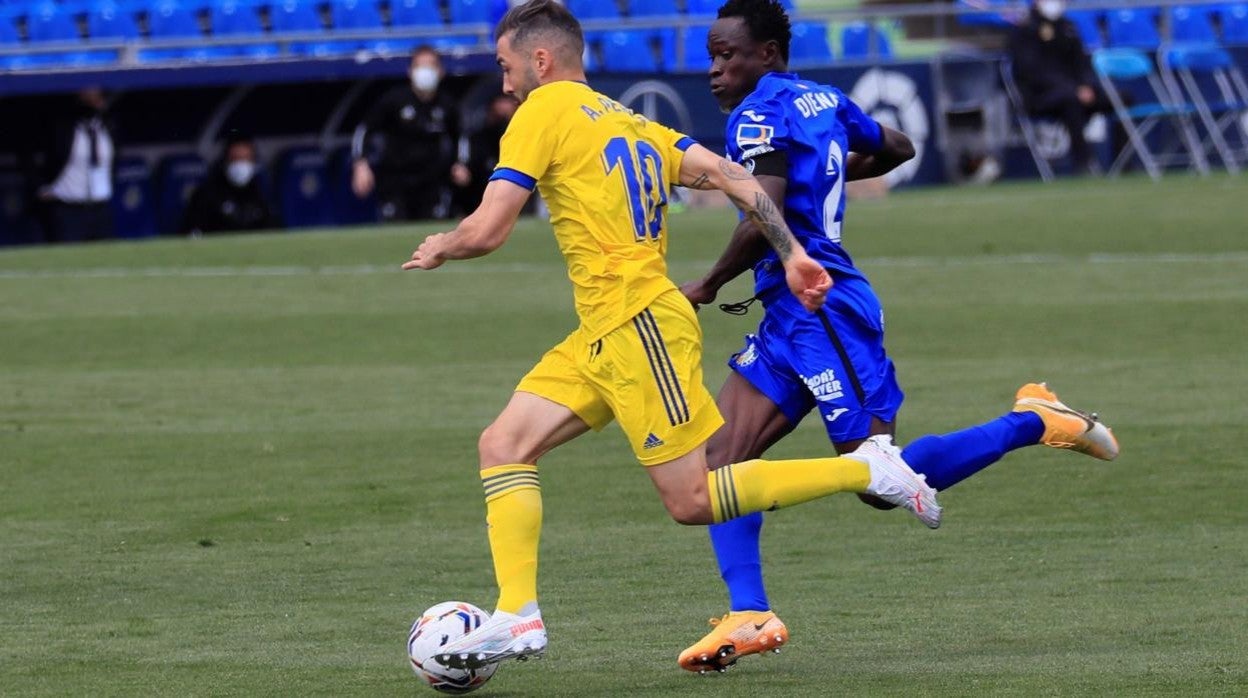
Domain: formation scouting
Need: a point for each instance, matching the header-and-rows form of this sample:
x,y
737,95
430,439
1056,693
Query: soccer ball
x,y
434,628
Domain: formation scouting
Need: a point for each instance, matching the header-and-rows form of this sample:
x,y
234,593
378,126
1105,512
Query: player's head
x,y
749,40
538,42
239,158
425,70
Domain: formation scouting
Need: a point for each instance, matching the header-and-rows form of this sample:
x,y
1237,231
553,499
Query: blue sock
x,y
946,460
951,458
736,544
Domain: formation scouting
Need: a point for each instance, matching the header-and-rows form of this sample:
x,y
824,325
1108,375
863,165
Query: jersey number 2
x,y
832,203
646,194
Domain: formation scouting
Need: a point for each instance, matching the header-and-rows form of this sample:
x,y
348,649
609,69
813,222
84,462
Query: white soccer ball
x,y
434,628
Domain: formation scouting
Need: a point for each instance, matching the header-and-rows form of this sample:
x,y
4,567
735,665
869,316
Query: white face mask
x,y
425,78
1051,9
240,172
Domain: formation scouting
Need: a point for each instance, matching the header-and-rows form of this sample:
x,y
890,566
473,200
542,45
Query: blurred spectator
x,y
230,200
482,155
406,146
77,172
1054,74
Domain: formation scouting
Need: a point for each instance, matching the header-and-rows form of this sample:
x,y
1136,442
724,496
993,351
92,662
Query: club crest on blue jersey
x,y
751,135
746,357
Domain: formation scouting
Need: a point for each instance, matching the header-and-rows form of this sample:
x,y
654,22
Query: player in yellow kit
x,y
605,174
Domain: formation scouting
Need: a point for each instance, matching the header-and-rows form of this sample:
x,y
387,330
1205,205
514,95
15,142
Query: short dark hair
x,y
537,17
766,21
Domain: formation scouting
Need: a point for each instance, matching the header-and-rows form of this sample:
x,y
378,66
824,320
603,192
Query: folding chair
x,y
1205,77
1023,119
1151,106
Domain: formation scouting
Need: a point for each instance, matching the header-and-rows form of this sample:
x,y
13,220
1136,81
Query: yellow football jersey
x,y
605,174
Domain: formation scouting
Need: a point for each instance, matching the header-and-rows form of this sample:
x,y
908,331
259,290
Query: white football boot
x,y
893,481
504,636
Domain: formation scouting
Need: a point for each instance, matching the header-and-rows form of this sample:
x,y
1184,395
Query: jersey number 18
x,y
646,194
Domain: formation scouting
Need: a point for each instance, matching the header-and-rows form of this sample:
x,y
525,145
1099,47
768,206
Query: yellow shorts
x,y
646,373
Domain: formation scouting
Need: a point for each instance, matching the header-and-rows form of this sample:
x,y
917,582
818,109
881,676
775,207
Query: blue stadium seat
x,y
414,13
177,177
586,10
291,16
235,17
628,51
107,20
711,7
303,17
324,49
8,30
1192,23
1088,22
170,19
1129,70
470,11
356,14
857,41
652,8
1133,28
692,50
703,8
809,46
134,211
303,188
1205,77
48,21
1235,24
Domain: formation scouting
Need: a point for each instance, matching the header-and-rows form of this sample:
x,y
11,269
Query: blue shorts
x,y
795,361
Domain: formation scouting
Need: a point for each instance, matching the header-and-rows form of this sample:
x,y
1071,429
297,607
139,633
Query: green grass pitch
x,y
242,466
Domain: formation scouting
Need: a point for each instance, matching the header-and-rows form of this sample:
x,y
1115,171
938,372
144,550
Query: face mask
x,y
240,172
1051,9
425,78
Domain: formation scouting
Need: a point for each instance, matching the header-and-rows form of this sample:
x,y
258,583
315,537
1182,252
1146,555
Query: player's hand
x,y
808,280
362,179
698,293
461,176
428,255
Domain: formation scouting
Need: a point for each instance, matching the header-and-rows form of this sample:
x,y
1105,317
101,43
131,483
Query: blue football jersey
x,y
815,126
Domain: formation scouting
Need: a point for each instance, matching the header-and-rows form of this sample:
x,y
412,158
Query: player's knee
x,y
690,510
497,447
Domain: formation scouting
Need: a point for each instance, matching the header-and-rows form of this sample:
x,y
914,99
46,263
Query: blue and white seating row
x,y
1142,103
1203,77
672,50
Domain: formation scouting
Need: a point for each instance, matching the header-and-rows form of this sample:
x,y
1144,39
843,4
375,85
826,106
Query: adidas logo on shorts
x,y
652,441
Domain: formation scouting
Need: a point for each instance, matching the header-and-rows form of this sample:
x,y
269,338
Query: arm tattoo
x,y
732,170
701,182
768,219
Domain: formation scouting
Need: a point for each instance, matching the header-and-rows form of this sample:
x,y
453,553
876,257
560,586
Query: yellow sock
x,y
513,513
763,485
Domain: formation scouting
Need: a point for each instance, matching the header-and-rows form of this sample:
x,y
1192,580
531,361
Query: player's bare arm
x,y
702,169
895,150
482,232
744,250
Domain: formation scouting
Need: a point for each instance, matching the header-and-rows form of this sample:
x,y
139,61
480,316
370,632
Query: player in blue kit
x,y
803,141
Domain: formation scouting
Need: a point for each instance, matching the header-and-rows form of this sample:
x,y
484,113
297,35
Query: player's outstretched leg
x,y
1065,427
736,635
876,469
